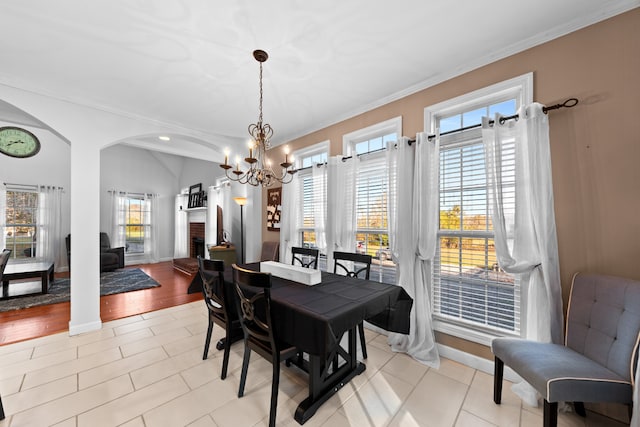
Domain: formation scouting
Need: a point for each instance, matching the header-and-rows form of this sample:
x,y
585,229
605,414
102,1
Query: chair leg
x,y
245,366
363,342
275,382
550,414
1,410
579,408
207,340
497,380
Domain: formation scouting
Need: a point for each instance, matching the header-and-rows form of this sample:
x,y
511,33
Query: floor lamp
x,y
241,201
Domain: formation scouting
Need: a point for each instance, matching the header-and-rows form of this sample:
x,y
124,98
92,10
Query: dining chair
x,y
4,258
220,311
307,257
254,308
354,265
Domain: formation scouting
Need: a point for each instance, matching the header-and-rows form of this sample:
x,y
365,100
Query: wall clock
x,y
18,142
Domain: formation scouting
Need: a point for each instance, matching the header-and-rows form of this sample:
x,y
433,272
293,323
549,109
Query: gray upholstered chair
x,y
270,251
598,359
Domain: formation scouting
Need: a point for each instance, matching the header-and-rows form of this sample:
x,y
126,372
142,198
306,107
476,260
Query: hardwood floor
x,y
20,325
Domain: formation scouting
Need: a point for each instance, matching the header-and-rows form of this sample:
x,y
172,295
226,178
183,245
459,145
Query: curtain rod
x,y
569,103
222,184
133,194
309,167
34,186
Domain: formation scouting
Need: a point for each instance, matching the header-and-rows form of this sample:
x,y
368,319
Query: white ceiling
x,y
189,63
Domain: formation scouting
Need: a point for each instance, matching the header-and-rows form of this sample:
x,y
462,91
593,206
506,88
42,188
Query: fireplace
x,y
196,239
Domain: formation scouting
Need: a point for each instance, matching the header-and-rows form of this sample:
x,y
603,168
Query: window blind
x,y
372,235
469,286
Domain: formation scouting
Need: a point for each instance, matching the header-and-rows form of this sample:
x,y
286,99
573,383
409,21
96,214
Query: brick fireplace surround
x,y
196,230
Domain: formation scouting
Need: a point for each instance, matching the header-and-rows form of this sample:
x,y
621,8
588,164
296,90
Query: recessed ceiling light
x,y
164,138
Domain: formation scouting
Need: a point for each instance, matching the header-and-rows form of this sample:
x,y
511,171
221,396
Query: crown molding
x,y
608,11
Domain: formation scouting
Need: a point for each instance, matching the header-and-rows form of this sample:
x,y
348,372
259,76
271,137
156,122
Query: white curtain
x,y
151,234
290,220
413,225
48,236
341,212
226,202
211,227
180,246
118,218
525,240
319,174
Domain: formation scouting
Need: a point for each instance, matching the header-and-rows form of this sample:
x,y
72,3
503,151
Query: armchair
x,y
110,258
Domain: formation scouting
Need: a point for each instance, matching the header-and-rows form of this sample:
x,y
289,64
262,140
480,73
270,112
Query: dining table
x,y
315,319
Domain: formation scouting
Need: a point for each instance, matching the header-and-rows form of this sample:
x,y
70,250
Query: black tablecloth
x,y
312,317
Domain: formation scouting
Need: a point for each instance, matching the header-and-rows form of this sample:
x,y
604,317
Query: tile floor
x,y
147,370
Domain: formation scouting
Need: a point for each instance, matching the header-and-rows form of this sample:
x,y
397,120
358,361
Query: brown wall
x,y
595,146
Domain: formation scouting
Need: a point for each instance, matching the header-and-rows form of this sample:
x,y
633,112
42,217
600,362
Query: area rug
x,y
112,282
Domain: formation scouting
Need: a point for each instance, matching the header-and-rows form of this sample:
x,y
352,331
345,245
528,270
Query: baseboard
x,y
475,362
85,327
463,357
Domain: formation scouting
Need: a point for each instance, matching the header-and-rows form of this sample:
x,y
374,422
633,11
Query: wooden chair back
x,y
352,264
212,275
253,301
307,257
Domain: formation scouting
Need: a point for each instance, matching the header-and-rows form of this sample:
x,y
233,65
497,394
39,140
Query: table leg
x,y
324,384
196,284
236,335
44,279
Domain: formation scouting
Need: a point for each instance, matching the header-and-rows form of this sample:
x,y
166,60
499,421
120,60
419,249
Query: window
x,y
313,159
137,215
312,194
21,222
371,194
472,297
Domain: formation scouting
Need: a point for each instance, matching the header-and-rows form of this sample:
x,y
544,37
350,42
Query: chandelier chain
x,y
260,111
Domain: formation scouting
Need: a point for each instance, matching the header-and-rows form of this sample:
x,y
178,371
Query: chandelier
x,y
260,171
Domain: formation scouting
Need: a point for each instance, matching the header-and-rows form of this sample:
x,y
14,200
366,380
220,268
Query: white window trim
x,y
312,150
521,88
388,126
318,148
349,141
